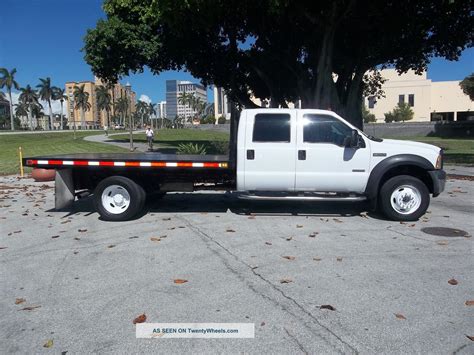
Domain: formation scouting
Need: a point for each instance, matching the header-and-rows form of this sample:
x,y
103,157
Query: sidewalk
x,y
102,138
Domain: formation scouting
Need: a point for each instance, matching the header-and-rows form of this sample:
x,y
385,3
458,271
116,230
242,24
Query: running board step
x,y
303,198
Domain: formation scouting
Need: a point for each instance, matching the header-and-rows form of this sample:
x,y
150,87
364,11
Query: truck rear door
x,y
270,150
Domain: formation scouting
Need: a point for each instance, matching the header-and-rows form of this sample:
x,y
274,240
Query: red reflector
x,y
55,162
158,163
184,165
211,165
106,163
132,163
80,162
30,162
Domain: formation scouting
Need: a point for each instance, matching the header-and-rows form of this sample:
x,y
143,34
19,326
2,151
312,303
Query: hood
x,y
395,147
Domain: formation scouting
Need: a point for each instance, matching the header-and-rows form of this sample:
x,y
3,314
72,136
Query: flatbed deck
x,y
139,160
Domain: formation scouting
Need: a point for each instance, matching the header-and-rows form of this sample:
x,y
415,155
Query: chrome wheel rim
x,y
115,199
405,199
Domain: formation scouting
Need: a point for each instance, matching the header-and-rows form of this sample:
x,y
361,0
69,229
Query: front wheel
x,y
404,198
118,198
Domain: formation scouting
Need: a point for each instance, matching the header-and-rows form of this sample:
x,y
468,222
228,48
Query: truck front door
x,y
270,151
324,162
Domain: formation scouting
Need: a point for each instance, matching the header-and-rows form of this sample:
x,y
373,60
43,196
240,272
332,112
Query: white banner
x,y
195,330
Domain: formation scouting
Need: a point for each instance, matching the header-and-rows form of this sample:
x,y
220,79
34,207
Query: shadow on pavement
x,y
221,203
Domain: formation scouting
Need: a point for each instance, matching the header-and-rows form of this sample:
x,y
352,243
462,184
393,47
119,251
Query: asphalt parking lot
x,y
75,283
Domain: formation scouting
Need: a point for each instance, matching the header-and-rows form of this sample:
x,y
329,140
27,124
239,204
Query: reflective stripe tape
x,y
142,164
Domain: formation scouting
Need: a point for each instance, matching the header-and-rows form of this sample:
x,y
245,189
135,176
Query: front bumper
x,y
438,177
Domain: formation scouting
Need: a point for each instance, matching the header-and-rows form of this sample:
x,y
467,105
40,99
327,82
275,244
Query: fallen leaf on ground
x,y
364,215
251,217
172,228
48,344
19,300
299,226
77,238
402,222
76,252
317,259
134,237
288,257
55,236
286,281
230,230
64,222
469,303
262,324
29,308
337,220
327,306
16,231
82,230
453,282
289,238
3,247
442,242
471,338
111,246
399,316
268,243
339,258
154,239
412,225
180,281
140,319
313,235
166,219
181,227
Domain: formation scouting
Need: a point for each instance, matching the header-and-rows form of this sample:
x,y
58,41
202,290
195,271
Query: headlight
x,y
439,161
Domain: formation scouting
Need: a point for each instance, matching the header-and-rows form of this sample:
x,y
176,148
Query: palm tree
x,y
184,99
104,101
46,94
2,96
122,107
81,100
30,99
151,111
7,80
21,110
142,109
60,94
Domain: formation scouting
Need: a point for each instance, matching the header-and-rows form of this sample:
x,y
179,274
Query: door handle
x,y
301,154
250,154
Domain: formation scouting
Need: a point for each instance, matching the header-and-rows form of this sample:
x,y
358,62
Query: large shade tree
x,y
81,102
318,52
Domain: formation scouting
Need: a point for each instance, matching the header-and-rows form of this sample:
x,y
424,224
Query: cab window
x,y
324,129
272,127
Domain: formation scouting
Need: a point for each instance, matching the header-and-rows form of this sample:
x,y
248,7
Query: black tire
x,y
406,187
135,192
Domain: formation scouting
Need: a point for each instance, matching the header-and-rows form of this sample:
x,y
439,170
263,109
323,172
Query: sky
x,y
43,38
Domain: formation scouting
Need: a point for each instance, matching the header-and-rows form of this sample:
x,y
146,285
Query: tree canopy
x,y
467,86
282,50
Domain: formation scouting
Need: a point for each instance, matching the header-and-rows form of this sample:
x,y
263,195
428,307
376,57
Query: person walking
x,y
149,137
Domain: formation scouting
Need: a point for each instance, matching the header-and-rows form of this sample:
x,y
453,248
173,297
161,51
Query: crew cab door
x,y
270,151
324,162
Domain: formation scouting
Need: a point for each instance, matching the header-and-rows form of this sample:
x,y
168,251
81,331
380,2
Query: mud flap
x,y
63,189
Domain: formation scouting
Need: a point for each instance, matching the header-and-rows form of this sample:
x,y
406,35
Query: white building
x,y
174,88
430,100
161,112
221,104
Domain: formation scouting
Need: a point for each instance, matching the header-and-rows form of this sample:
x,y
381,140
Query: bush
x,y
220,147
190,148
367,116
401,113
208,120
221,120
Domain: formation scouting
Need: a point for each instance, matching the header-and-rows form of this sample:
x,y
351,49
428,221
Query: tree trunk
x,y
131,133
234,124
12,122
51,120
83,119
30,118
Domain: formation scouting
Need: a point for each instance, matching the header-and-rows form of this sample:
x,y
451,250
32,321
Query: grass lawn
x,y
44,144
169,139
456,151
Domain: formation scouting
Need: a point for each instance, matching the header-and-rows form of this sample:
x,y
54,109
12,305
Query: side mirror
x,y
352,141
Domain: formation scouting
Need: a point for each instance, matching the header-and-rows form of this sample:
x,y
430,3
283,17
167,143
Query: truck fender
x,y
391,162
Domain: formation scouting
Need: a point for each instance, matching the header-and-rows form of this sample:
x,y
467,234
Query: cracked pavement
x,y
387,281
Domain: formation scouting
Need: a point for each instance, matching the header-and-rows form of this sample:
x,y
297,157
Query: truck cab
x,y
318,155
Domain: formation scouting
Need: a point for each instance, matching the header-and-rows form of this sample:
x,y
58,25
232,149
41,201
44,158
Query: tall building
x,y
93,117
221,104
430,100
174,88
161,109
